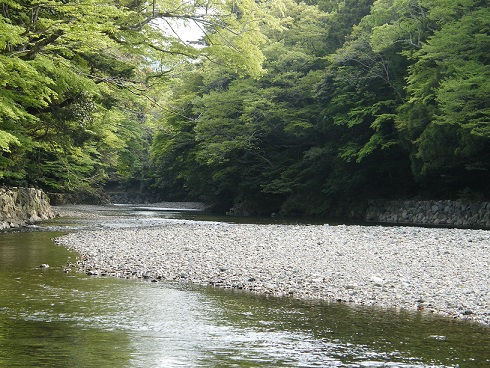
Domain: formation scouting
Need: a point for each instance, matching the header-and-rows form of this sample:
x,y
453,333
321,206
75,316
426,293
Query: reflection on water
x,y
294,333
42,310
55,319
121,216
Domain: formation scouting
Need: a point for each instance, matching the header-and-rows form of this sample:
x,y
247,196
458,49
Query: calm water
x,y
49,318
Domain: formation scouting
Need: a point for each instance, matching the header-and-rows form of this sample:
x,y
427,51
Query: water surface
x,y
50,318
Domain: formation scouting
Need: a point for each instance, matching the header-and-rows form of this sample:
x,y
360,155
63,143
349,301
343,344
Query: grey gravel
x,y
444,271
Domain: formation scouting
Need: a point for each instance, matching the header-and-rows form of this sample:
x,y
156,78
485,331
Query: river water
x,y
50,318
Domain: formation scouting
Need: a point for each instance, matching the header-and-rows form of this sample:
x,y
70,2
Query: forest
x,y
304,108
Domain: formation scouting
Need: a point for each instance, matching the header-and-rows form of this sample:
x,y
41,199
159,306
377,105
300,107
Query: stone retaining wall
x,y
450,213
21,206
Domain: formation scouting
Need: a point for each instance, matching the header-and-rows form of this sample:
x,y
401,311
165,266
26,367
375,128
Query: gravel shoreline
x,y
444,271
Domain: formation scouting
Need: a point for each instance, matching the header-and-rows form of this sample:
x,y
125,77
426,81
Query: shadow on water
x,y
55,319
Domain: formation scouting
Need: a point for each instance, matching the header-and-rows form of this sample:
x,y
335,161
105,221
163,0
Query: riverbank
x,y
475,215
444,271
22,206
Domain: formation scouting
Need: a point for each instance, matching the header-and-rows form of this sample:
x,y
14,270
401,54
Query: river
x,y
53,318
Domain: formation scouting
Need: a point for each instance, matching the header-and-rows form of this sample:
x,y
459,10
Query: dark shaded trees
x,y
360,100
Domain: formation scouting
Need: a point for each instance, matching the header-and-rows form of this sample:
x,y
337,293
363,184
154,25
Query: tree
x,y
78,77
256,142
448,111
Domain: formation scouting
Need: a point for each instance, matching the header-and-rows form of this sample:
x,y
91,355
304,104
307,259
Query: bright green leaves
x,y
10,35
397,21
464,100
58,62
23,90
226,124
450,81
240,53
6,140
66,168
77,79
411,22
236,39
362,91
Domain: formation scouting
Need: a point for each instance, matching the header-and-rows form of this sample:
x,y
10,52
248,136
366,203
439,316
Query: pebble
x,y
444,271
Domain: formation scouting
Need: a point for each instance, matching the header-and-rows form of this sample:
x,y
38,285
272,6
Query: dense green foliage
x,y
286,106
361,99
78,79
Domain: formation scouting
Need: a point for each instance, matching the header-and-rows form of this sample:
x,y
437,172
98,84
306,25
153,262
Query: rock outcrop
x,y
22,206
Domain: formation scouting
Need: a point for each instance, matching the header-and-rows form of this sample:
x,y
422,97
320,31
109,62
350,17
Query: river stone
x,y
439,270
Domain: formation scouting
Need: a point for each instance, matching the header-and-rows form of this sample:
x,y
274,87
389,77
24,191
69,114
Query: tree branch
x,y
40,44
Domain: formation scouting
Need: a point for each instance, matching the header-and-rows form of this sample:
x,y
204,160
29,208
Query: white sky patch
x,y
187,30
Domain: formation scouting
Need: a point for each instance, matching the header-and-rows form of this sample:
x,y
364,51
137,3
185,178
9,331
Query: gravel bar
x,y
444,271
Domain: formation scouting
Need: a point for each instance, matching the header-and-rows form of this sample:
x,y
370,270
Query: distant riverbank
x,y
445,271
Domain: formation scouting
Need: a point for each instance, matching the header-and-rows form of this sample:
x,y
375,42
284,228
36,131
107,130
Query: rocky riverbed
x,y
445,271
